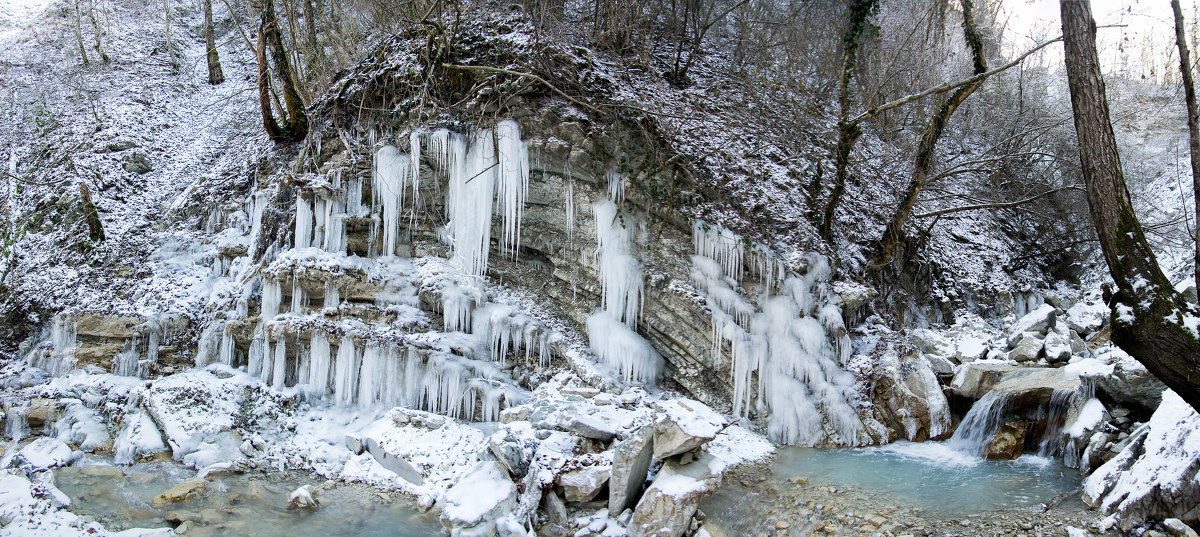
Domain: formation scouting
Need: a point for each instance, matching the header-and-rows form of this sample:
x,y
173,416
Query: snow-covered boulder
x,y
1129,381
45,452
1039,320
480,498
139,437
1086,317
81,426
1157,475
976,378
1057,348
631,461
930,342
682,425
584,483
1027,349
911,397
667,507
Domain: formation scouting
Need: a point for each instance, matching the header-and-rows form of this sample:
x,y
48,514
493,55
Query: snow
x,y
620,272
478,493
1090,416
139,437
46,452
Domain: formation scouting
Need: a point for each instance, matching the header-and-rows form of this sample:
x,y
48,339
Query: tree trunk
x,y
215,76
294,125
1149,319
848,131
937,125
1193,120
95,229
96,33
79,33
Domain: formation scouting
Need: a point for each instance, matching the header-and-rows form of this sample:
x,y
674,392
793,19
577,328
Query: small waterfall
x,y
1056,417
979,426
15,426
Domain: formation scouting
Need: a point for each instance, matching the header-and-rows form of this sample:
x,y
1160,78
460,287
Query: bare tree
x,y
75,9
215,76
294,120
1150,320
937,125
1193,116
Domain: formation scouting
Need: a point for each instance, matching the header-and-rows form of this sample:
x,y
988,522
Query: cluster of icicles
x,y
789,337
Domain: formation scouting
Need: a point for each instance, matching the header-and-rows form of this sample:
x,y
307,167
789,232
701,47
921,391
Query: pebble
x,y
782,525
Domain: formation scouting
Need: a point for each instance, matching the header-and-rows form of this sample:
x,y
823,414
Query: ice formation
x,y
56,352
795,341
620,271
619,347
392,169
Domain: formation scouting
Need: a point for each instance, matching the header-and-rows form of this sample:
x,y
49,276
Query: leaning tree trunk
x,y
215,76
937,125
294,121
1150,320
848,131
1193,120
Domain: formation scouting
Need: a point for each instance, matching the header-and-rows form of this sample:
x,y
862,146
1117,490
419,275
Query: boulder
x,y
939,364
631,462
682,425
1057,348
1187,288
1085,317
971,348
1130,382
667,507
189,488
510,452
584,483
911,398
136,162
1039,321
977,378
1027,349
1155,475
41,411
391,461
1008,443
589,426
1174,525
480,497
930,342
45,452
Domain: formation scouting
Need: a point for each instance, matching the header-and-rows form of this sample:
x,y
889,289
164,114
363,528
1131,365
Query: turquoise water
x,y
246,504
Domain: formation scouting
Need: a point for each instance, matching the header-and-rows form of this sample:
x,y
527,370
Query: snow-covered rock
x,y
667,507
139,437
910,390
631,460
1086,317
1039,320
1128,381
585,482
1056,348
682,425
45,452
481,497
1027,348
1157,475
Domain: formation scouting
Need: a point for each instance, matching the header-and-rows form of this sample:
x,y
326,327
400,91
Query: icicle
x,y
345,376
319,213
390,178
256,354
332,300
16,426
570,209
720,245
268,363
456,309
414,159
318,375
272,295
372,378
125,363
304,223
616,186
227,347
620,272
512,183
623,349
280,372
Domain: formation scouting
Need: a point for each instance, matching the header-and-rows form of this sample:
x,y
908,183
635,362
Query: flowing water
x,y
915,482
232,504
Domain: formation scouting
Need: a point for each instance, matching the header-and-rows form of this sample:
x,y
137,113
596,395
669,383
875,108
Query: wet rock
x,y
510,452
631,461
1009,442
682,425
183,491
302,498
101,471
911,398
41,411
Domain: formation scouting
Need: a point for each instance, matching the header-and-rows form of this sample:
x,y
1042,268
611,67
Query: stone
x,y
102,471
187,489
354,443
1038,321
667,507
302,498
975,379
1056,348
45,452
908,392
510,452
589,426
392,462
480,497
515,413
1187,288
116,147
1174,525
681,425
583,484
631,462
1027,349
1009,442
41,411
1130,382
939,364
554,507
136,162
929,342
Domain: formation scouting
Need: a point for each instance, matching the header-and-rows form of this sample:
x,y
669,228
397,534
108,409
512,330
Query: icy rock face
x,y
909,388
1157,475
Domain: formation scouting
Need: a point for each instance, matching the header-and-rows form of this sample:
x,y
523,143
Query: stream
x,y
884,488
251,503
